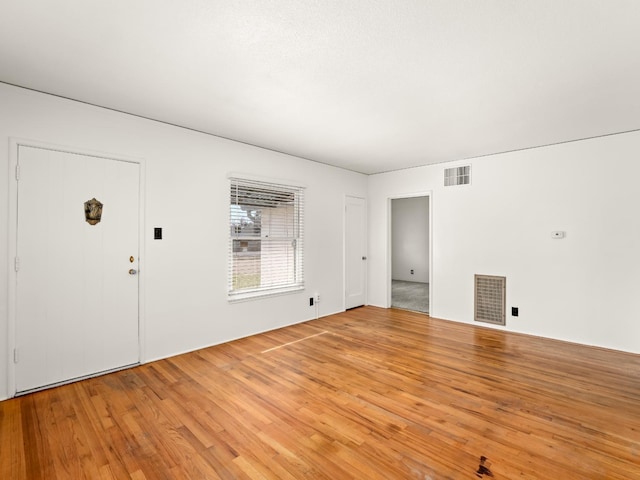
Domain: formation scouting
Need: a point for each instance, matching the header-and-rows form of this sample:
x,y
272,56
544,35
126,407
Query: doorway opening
x,y
410,253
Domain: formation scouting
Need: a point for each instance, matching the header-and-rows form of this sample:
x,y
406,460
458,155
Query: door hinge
x,y
17,264
18,172
16,356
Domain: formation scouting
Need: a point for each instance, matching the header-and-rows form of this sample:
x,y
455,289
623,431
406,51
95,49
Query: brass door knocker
x,y
92,211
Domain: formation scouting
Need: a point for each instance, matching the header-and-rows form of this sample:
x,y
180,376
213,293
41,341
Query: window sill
x,y
244,297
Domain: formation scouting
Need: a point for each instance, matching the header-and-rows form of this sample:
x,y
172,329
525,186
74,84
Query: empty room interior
x,y
371,239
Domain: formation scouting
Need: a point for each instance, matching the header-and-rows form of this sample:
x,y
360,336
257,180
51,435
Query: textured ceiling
x,y
368,85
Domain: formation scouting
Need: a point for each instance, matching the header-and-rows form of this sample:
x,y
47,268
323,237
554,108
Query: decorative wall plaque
x,y
92,211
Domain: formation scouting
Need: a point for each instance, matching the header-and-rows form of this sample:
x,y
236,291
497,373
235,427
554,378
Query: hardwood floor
x,y
367,394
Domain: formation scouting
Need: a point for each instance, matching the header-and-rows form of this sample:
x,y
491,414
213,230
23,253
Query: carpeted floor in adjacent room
x,y
410,295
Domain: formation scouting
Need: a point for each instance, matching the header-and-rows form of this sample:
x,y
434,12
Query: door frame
x,y
14,145
344,250
428,194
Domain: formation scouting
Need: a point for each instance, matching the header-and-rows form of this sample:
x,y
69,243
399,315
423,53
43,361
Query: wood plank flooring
x,y
367,394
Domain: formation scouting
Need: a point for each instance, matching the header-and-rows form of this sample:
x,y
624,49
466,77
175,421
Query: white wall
x,y
410,239
187,194
584,288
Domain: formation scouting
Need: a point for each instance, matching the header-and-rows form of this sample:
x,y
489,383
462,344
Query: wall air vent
x,y
457,176
490,299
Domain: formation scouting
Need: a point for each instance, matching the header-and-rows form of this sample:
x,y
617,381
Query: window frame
x,y
275,189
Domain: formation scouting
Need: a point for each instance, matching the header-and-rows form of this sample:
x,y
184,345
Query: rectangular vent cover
x,y
490,299
457,176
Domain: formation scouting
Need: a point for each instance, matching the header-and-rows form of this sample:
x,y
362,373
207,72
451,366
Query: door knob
x,y
133,271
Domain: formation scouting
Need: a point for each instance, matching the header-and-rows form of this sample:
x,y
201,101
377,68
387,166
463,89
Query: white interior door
x,y
77,288
355,252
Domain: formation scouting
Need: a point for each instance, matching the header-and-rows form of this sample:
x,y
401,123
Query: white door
x,y
355,252
77,284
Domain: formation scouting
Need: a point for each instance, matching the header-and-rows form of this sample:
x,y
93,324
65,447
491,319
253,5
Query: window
x,y
266,238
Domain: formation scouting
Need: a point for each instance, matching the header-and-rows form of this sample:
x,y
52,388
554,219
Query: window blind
x,y
265,238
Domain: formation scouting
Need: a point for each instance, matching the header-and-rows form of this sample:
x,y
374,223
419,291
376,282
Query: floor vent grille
x,y
490,299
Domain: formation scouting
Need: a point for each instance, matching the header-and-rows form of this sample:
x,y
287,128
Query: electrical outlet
x,y
412,271
317,298
311,301
514,311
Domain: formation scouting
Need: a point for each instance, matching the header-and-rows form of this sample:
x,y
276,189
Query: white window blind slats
x,y
266,238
